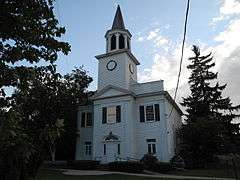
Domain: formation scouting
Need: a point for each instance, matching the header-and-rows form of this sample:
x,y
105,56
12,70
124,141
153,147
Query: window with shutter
x,y
86,119
118,114
104,115
83,120
157,112
141,110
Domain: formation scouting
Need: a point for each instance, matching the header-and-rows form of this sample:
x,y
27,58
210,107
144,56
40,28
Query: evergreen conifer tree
x,y
209,115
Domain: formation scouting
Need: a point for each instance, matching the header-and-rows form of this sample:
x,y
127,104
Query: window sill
x,y
86,127
111,123
148,121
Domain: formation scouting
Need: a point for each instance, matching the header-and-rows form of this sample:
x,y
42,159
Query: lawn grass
x,y
208,172
57,175
50,174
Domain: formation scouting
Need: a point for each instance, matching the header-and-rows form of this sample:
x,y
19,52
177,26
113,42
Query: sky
x,y
157,29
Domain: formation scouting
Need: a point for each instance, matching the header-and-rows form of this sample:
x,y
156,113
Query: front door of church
x,y
111,151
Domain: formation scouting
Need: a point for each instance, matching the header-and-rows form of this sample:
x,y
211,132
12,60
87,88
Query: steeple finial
x,y
118,20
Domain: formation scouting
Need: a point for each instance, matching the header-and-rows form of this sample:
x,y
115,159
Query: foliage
x,y
177,162
32,117
148,160
126,166
209,115
29,30
75,83
151,163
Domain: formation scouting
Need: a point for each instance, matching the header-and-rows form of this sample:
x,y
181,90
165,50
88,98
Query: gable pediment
x,y
111,91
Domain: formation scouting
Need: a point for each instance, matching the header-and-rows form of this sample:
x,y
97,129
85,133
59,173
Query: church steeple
x,y
118,66
118,20
118,37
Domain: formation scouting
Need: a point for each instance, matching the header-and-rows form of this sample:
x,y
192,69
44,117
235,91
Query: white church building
x,y
125,119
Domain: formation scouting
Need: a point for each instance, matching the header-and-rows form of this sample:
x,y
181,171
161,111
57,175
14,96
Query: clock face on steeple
x,y
111,65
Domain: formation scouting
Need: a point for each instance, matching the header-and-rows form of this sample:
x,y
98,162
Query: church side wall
x,y
151,130
83,135
174,123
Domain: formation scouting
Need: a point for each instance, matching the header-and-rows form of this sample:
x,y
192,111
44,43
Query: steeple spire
x,y
118,20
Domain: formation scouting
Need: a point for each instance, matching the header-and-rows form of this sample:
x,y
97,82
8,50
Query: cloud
x,y
217,19
160,40
230,7
140,39
154,36
227,9
226,54
227,57
228,43
166,67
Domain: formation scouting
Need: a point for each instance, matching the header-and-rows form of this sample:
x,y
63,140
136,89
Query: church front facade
x,y
124,119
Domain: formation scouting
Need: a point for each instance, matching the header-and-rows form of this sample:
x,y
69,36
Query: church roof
x,y
118,20
108,87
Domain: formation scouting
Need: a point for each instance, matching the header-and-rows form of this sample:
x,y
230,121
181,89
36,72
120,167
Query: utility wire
x,y
182,53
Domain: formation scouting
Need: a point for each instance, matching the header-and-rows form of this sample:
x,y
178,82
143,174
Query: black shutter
x,y
89,119
104,115
141,110
119,149
83,120
104,149
154,148
157,112
118,114
149,149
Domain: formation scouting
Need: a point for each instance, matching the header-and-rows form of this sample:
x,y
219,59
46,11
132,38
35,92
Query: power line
x,y
182,53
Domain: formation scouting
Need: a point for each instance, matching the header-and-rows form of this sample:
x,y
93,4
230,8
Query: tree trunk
x,y
53,153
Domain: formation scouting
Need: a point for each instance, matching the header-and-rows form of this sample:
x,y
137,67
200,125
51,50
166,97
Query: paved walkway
x,y
92,173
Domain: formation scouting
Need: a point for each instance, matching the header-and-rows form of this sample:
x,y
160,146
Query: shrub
x,y
191,160
126,166
148,160
83,164
177,161
151,163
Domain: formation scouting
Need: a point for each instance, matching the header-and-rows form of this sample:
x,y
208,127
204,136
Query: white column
x,y
117,41
109,43
125,41
129,44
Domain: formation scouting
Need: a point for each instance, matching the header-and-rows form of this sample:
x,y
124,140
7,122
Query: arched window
x,y
113,42
121,42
